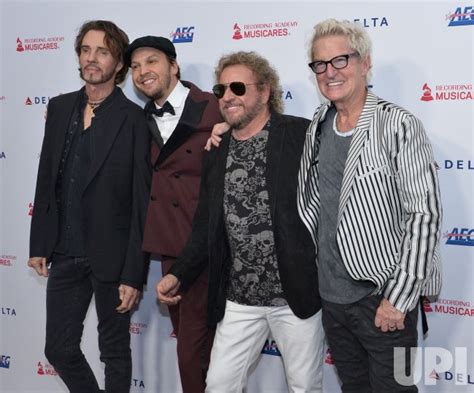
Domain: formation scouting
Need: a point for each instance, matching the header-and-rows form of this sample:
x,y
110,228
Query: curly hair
x,y
262,70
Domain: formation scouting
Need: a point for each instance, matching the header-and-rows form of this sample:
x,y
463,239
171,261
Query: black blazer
x,y
295,249
116,193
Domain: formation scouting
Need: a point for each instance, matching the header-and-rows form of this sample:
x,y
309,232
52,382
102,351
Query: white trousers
x,y
239,340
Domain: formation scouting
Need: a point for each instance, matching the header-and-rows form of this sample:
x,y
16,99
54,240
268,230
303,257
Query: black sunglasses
x,y
338,62
238,88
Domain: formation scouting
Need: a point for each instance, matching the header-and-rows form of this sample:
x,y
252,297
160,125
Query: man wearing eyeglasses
x,y
180,118
368,192
263,276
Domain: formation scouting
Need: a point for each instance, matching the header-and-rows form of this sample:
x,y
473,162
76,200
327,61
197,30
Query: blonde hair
x,y
357,36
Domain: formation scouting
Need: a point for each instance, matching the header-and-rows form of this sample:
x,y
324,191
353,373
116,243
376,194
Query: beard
x,y
103,77
159,92
246,118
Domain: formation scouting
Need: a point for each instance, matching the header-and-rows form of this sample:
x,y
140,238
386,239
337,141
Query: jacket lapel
x,y
276,137
108,124
62,123
187,125
359,138
217,187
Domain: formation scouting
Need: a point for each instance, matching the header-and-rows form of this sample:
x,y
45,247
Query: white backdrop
x,y
423,60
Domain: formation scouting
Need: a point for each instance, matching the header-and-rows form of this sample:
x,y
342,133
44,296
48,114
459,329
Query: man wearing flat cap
x,y
180,119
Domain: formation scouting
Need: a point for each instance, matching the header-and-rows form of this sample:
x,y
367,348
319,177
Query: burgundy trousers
x,y
189,320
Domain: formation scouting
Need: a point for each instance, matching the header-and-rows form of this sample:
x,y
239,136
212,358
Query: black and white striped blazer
x,y
389,219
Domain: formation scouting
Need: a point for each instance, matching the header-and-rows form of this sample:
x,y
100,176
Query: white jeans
x,y
239,340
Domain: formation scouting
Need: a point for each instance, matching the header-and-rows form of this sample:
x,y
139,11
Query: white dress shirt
x,y
168,122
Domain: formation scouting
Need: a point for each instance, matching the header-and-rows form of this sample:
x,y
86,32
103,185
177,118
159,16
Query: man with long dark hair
x,y
89,212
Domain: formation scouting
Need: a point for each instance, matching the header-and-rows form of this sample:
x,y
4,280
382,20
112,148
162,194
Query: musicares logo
x,y
45,369
460,308
38,44
137,327
447,92
263,30
6,260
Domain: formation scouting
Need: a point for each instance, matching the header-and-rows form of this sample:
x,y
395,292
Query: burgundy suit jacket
x,y
177,174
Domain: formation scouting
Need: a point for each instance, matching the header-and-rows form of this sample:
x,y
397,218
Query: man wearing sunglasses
x,y
180,118
263,276
368,192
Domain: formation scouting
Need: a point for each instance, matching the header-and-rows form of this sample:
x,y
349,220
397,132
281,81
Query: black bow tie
x,y
167,107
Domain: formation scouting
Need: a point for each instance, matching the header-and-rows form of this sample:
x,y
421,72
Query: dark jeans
x,y
362,353
69,292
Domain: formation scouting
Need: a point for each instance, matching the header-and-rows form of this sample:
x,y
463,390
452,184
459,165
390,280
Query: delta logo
x,y
460,308
5,361
453,92
374,21
7,260
460,237
38,44
182,34
462,16
328,359
459,164
137,383
137,327
44,369
270,348
37,100
457,378
8,311
264,30
286,95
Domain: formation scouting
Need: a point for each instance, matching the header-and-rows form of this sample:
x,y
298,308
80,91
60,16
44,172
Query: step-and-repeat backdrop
x,y
423,60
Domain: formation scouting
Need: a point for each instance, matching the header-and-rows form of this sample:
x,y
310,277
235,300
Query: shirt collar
x,y
177,96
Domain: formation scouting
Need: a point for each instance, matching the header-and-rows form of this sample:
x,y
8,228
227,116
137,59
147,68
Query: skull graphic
x,y
262,201
251,283
265,242
238,178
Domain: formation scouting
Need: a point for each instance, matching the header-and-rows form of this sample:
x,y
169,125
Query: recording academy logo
x,y
270,348
462,16
5,361
182,34
45,369
7,260
374,21
2,155
427,305
37,100
460,308
263,30
460,237
447,92
137,327
38,44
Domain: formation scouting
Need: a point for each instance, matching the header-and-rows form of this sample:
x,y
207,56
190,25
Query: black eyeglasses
x,y
338,62
238,88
